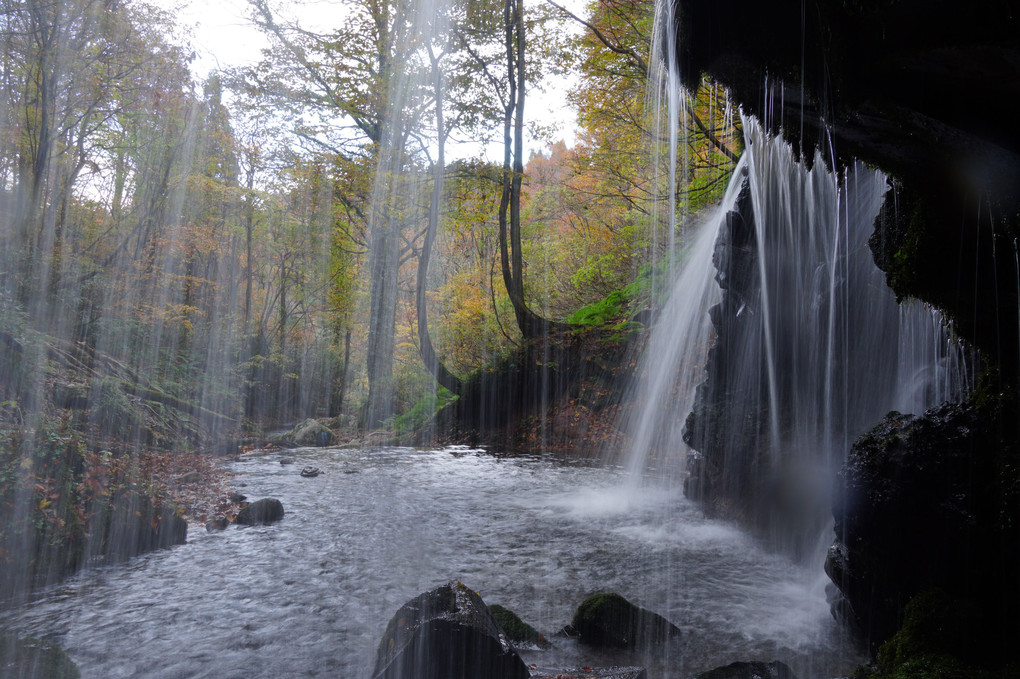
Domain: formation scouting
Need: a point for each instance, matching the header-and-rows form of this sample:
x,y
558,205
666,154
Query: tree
x,y
355,80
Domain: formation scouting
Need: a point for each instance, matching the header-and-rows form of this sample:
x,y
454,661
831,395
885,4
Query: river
x,y
310,596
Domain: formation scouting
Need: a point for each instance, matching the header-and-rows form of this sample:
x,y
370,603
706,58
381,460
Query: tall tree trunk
x,y
337,407
511,256
249,225
283,303
428,352
382,324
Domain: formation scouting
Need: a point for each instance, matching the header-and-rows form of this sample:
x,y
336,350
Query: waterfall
x,y
810,346
676,354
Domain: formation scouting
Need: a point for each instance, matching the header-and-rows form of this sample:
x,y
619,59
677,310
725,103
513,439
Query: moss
x,y
608,619
516,630
938,640
424,410
28,657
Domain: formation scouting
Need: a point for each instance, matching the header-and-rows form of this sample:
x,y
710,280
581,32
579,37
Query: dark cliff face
x,y
922,89
928,503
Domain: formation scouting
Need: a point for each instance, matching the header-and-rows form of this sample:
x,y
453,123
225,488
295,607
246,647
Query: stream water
x,y
311,595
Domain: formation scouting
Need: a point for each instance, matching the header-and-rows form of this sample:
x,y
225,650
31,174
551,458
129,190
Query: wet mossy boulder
x,y
517,631
29,658
937,639
750,670
264,511
930,502
608,619
313,433
446,633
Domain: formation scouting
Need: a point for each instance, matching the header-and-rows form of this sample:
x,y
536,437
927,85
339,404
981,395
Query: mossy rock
x,y
608,619
446,633
313,433
27,658
517,631
937,639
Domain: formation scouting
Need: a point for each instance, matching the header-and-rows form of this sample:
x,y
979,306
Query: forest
x,y
189,265
255,248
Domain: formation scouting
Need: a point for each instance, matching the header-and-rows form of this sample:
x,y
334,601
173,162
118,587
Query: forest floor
x,y
198,484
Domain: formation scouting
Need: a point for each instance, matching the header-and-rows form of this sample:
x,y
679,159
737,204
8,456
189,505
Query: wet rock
x,y
216,524
286,460
446,633
608,619
72,395
929,502
29,658
313,433
131,525
936,634
264,511
589,673
237,498
520,633
875,104
310,472
750,670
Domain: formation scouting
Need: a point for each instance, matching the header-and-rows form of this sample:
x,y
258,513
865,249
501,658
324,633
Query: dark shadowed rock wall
x,y
923,90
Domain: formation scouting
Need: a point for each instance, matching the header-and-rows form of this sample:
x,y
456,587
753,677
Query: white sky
x,y
222,36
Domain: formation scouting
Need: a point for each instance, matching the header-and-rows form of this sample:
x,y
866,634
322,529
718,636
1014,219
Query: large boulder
x,y
750,670
266,510
446,633
313,433
930,502
608,619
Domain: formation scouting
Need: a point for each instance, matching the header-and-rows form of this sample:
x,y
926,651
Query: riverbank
x,y
66,503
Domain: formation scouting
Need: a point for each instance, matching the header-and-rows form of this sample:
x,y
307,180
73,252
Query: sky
x,y
222,37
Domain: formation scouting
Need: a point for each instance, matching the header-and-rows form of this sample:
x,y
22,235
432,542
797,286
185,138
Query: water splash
x,y
675,357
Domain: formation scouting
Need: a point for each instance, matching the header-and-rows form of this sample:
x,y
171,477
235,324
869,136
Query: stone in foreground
x,y
750,670
266,510
608,619
446,633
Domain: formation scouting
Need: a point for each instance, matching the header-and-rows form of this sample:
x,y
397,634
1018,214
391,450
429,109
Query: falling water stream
x,y
311,595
